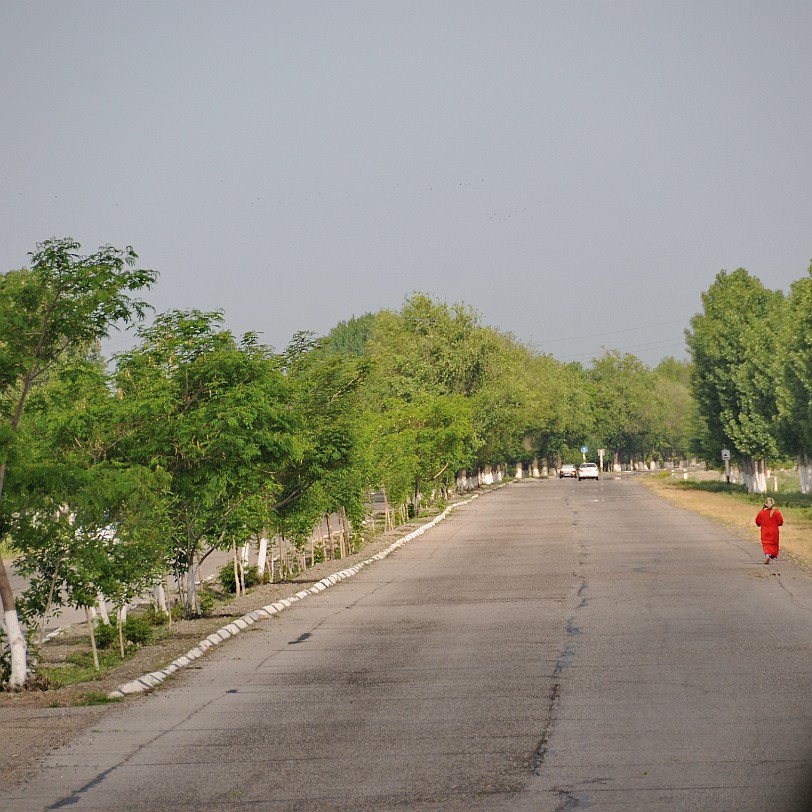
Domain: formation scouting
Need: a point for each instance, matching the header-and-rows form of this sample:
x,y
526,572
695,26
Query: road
x,y
551,646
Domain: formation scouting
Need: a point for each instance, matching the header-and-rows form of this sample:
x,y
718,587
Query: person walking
x,y
769,519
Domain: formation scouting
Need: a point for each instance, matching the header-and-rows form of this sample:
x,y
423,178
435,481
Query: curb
x,y
154,679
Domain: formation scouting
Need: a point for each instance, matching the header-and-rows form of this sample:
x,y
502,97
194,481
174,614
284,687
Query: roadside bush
x,y
226,577
154,616
137,631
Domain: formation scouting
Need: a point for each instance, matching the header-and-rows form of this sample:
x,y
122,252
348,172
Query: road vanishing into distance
x,y
550,646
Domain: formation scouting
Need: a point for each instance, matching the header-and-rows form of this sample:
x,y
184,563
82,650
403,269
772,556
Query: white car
x,y
588,470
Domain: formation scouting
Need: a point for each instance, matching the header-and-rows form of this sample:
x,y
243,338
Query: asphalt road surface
x,y
551,646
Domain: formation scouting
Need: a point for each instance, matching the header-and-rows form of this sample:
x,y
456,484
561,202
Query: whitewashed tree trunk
x,y
747,474
262,553
761,476
89,615
346,527
101,603
168,592
330,533
17,647
754,475
237,579
120,632
192,606
537,472
805,472
519,470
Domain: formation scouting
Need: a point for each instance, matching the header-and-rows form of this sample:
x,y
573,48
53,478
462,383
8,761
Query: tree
x,y
80,523
794,378
673,383
429,363
330,470
213,413
62,302
629,413
732,344
350,337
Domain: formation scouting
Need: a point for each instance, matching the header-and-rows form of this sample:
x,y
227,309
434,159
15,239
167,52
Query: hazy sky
x,y
578,172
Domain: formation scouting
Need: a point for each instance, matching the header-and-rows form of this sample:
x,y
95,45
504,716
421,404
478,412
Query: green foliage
x,y
137,631
794,376
628,408
732,343
64,303
214,415
350,337
225,577
154,616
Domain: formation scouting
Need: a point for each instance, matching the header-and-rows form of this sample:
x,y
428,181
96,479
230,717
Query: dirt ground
x,y
34,722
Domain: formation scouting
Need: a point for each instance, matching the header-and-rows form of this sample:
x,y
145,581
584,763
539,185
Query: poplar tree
x,y
794,378
732,344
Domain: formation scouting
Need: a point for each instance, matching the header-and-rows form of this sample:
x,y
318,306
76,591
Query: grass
x,y
78,667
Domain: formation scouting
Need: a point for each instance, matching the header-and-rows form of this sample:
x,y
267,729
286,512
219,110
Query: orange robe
x,y
769,522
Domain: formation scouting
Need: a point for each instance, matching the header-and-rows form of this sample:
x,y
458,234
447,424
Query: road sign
x,y
725,454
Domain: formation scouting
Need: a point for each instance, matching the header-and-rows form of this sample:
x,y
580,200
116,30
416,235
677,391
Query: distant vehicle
x,y
567,470
588,470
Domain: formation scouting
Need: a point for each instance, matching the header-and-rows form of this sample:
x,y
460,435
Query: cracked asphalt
x,y
550,646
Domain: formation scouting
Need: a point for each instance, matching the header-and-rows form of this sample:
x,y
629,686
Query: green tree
x,y
794,378
629,412
429,363
330,470
350,337
64,301
213,414
732,344
673,382
80,523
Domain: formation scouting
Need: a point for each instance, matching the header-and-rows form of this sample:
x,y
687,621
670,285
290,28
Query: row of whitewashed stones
x,y
149,681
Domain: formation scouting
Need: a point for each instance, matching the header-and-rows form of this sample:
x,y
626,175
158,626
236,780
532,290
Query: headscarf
x,y
769,502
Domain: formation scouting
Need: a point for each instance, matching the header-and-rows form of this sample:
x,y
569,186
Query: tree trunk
x,y
805,472
190,598
160,598
101,603
237,579
345,532
167,590
120,632
89,617
330,537
17,647
262,553
51,590
16,638
753,473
